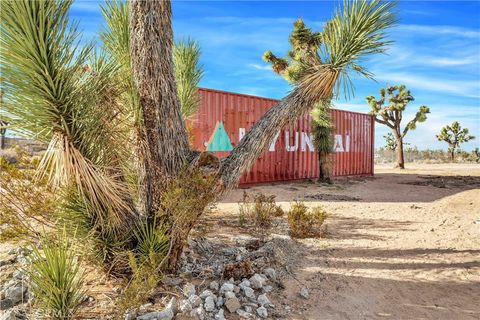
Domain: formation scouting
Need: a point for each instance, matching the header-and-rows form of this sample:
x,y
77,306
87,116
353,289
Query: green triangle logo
x,y
219,141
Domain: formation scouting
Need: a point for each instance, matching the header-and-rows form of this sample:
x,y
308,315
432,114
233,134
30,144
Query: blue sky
x,y
436,54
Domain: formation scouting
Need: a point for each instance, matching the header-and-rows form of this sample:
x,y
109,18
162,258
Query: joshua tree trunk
x,y
399,151
452,154
151,50
167,150
324,167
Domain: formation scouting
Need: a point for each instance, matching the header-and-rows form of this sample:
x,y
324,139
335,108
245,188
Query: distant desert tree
x,y
454,135
391,115
391,142
303,52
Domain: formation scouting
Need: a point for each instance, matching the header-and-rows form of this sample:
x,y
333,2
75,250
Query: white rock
x,y
206,293
185,306
270,273
9,315
248,309
229,295
262,312
304,293
257,281
244,314
220,315
227,287
195,300
209,304
130,315
267,288
263,300
214,285
249,292
244,283
198,313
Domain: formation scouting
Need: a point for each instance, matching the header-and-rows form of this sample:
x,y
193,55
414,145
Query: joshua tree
x,y
117,136
391,142
304,50
454,135
391,115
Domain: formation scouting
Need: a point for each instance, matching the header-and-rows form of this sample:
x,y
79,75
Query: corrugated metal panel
x,y
224,117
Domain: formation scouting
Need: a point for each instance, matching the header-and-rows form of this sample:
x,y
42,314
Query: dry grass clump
x,y
26,202
258,210
305,223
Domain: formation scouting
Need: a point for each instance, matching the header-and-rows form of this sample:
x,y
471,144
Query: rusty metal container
x,y
224,118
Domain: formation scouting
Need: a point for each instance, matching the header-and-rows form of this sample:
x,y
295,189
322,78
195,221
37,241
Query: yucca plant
x,y
57,280
60,92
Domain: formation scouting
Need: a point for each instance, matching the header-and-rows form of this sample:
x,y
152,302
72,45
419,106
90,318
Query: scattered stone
x,y
229,295
267,288
263,300
262,312
130,315
232,304
214,285
166,314
248,309
143,308
185,306
9,315
227,287
195,300
189,289
209,304
198,313
6,304
19,274
244,283
205,294
172,281
304,293
244,314
270,273
249,292
220,302
15,294
220,315
257,281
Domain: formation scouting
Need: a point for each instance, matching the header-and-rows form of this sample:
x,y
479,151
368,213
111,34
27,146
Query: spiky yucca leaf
x,y
188,73
357,30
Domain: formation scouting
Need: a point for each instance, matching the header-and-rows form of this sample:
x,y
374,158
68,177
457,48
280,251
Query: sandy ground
x,y
401,245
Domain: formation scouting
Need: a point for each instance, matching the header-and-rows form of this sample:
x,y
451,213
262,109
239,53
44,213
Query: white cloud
x,y
260,67
458,87
441,29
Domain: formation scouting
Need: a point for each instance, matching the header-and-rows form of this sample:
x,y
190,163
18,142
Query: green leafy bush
x,y
305,223
258,210
56,278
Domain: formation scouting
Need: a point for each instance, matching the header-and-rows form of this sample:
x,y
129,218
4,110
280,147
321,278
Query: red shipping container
x,y
224,118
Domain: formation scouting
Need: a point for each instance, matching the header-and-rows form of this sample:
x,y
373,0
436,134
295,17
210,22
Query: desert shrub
x,y
56,278
258,210
9,156
305,223
27,205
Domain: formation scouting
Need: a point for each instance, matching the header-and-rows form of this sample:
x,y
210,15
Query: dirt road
x,y
402,245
